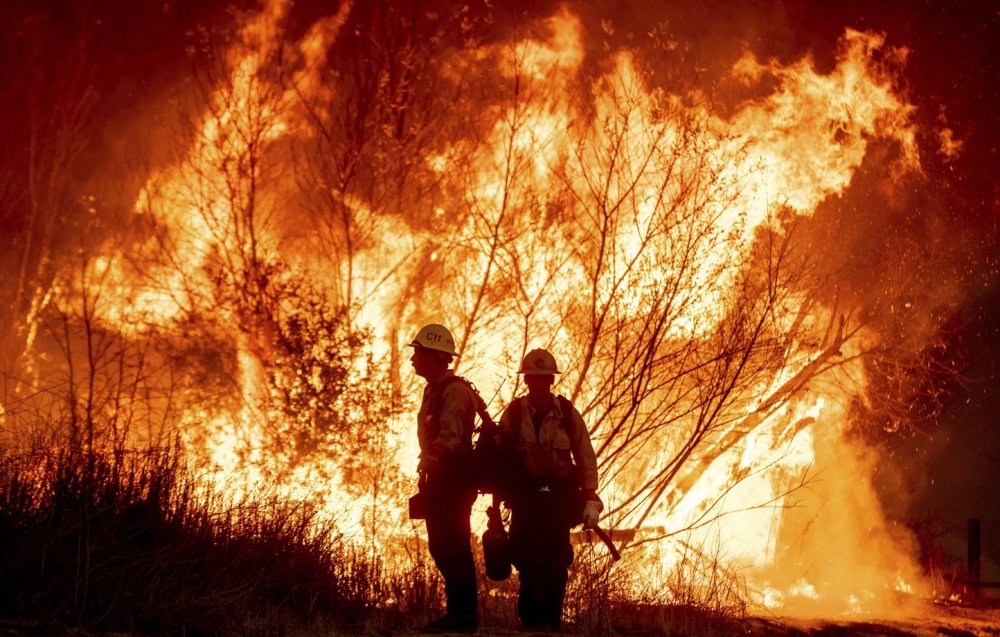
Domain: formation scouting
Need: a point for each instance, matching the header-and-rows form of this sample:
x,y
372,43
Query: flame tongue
x,y
575,220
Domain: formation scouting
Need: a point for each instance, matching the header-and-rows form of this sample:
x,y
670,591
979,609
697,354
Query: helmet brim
x,y
432,349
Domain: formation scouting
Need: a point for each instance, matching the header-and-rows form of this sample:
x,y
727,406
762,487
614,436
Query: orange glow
x,y
570,210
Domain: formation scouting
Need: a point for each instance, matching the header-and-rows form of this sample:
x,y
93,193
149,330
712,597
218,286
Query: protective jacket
x,y
451,435
551,448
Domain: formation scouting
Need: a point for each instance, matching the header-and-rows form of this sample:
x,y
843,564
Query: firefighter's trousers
x,y
448,538
541,551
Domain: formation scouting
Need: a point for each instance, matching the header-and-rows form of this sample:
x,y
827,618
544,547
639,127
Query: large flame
x,y
573,211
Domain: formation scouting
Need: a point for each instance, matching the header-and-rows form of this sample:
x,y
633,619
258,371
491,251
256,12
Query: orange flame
x,y
819,548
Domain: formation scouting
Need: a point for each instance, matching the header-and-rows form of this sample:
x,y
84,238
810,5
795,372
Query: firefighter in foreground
x,y
553,490
445,426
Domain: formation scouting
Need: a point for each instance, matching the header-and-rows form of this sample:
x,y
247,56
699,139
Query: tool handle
x,y
601,533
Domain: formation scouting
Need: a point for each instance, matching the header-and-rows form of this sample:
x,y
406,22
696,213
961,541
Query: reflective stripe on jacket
x,y
554,450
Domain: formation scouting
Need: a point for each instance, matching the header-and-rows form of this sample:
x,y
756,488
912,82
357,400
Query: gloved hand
x,y
592,513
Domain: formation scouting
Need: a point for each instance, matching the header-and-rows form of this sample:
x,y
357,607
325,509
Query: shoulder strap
x,y
481,410
439,393
564,406
567,416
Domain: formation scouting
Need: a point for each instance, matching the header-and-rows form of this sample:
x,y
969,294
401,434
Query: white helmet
x,y
436,337
538,361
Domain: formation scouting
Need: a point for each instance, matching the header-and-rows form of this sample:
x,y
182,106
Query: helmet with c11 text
x,y
436,337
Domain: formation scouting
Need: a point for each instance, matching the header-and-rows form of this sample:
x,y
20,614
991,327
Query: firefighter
x,y
553,488
445,426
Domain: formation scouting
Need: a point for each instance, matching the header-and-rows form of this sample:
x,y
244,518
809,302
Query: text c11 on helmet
x,y
538,361
435,337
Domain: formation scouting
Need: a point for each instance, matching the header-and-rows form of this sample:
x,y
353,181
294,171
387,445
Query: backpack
x,y
489,460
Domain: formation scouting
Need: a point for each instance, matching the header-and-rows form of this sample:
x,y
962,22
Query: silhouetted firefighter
x,y
552,488
445,426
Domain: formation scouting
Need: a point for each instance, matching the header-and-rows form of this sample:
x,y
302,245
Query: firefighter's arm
x,y
584,456
586,462
506,424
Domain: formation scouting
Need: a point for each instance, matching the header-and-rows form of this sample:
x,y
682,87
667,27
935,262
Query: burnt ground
x,y
938,620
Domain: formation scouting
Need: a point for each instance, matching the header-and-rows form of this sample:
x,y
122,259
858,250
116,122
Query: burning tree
x,y
384,166
653,247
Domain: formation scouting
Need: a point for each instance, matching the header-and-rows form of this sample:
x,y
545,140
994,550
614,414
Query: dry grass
x,y
639,596
126,541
